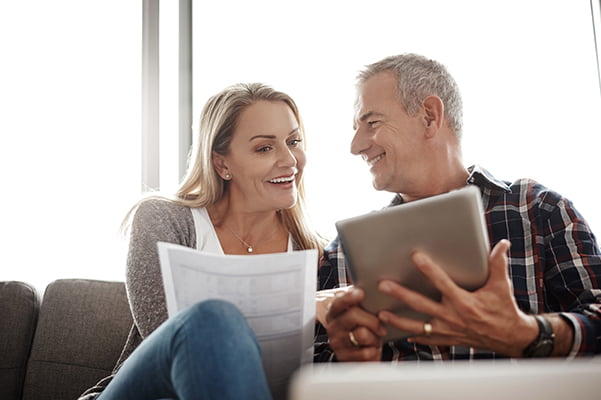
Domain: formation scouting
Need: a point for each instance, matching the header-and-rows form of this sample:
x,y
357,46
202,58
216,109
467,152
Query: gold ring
x,y
427,329
353,340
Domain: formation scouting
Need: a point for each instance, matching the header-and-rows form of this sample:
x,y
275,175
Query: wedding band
x,y
427,328
353,340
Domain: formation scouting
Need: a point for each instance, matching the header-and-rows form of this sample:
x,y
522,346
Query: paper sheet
x,y
275,292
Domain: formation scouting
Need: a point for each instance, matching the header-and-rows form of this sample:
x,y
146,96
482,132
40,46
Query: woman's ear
x,y
433,114
220,165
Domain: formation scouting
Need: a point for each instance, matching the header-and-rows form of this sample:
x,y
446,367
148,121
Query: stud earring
x,y
228,176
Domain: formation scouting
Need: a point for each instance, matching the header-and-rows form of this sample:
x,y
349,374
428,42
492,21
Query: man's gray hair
x,y
418,78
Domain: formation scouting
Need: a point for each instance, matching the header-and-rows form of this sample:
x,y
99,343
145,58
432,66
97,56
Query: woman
x,y
243,194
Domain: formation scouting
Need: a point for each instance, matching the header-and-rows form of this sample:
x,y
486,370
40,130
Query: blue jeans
x,y
207,351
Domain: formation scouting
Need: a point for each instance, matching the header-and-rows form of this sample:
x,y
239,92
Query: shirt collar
x,y
477,176
482,178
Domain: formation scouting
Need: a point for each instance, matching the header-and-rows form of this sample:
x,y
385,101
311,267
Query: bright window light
x,y
526,69
71,124
70,136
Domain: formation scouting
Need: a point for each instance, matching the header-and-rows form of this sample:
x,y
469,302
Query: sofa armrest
x,y
19,307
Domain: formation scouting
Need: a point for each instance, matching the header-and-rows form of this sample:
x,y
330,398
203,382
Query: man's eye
x,y
372,123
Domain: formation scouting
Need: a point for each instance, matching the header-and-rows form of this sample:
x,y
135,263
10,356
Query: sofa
x,y
53,347
56,345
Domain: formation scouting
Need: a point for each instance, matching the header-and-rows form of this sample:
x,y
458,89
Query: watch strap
x,y
542,346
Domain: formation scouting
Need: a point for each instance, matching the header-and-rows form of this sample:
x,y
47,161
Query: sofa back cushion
x,y
19,306
82,328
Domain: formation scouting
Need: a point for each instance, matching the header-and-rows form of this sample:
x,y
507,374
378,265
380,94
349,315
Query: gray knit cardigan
x,y
154,220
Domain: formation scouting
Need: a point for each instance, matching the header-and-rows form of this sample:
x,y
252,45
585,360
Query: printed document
x,y
275,292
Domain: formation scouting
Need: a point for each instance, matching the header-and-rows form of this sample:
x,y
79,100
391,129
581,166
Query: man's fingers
x,y
359,353
439,278
365,337
414,326
438,328
344,301
497,261
345,314
411,299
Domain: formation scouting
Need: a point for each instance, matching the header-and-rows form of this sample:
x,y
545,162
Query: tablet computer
x,y
449,227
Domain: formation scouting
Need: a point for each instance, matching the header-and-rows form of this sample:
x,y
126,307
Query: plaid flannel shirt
x,y
554,264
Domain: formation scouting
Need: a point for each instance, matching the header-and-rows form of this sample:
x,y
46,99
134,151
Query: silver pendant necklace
x,y
249,247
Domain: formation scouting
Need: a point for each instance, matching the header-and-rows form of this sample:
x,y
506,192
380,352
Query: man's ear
x,y
433,108
220,165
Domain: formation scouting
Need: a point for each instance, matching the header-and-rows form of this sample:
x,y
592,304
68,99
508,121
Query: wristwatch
x,y
542,346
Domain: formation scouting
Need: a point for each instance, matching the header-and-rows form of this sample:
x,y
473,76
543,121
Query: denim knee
x,y
219,315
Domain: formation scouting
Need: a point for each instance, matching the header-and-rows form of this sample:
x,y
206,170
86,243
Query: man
x,y
542,297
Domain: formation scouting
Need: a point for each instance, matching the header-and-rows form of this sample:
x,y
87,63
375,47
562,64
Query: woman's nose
x,y
287,158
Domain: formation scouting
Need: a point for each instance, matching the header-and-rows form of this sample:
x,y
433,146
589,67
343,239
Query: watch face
x,y
543,344
543,349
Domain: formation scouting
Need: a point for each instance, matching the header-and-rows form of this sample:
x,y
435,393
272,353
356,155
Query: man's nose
x,y
360,142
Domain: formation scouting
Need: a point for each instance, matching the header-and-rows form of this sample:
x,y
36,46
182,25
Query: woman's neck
x,y
243,219
242,230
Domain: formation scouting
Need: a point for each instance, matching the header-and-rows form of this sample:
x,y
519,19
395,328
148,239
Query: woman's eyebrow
x,y
261,137
264,136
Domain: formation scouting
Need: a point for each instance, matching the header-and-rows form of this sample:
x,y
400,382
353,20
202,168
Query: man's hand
x,y
323,302
488,318
348,323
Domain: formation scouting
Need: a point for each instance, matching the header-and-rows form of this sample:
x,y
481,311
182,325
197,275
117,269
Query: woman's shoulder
x,y
156,218
161,209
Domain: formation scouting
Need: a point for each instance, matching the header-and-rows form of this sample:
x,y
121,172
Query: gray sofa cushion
x,y
81,331
19,306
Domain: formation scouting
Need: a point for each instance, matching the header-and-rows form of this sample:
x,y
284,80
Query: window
x,y
69,148
527,71
71,120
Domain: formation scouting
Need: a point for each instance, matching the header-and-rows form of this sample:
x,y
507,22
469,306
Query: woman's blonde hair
x,y
202,186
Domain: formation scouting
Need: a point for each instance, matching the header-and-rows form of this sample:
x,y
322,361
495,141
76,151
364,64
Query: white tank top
x,y
206,237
